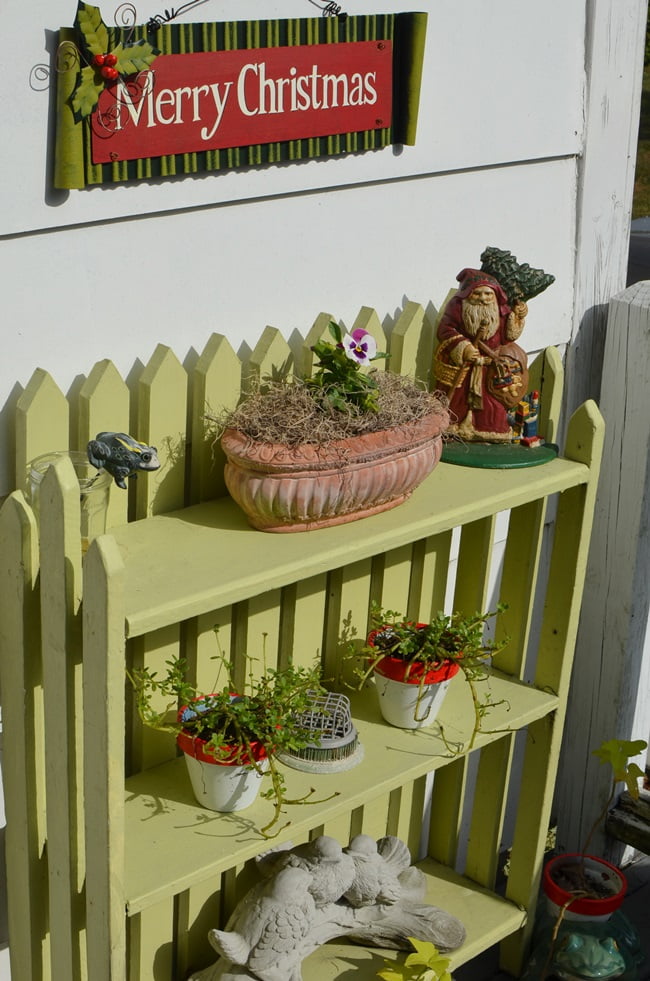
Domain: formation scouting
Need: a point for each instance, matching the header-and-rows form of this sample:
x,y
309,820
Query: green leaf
x,y
617,752
135,57
93,29
87,91
391,974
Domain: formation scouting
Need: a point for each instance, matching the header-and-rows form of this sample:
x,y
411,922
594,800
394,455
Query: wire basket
x,y
336,743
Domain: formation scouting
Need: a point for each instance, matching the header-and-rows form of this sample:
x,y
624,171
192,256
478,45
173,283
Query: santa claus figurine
x,y
477,364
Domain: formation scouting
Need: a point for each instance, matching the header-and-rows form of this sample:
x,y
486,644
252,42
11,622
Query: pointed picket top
x,y
319,330
42,422
585,437
271,360
368,319
411,344
103,406
547,376
215,385
161,422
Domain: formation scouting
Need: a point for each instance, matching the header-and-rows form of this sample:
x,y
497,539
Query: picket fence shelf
x,y
115,874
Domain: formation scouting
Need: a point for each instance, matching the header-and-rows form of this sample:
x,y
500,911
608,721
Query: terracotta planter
x,y
298,488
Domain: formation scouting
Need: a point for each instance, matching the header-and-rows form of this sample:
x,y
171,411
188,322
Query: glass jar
x,y
94,488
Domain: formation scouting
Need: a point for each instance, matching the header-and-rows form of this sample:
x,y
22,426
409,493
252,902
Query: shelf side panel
x,y
23,772
60,555
104,739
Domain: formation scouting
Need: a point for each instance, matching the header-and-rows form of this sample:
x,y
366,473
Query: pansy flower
x,y
360,346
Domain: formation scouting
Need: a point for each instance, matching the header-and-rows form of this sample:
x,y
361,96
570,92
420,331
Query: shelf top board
x,y
486,917
163,820
188,562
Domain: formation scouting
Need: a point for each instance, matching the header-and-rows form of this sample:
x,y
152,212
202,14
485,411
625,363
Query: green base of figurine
x,y
497,456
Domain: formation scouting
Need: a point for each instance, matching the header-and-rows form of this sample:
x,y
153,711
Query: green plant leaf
x,y
135,57
391,974
617,752
86,93
92,28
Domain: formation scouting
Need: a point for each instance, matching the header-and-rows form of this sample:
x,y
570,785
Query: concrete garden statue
x,y
339,445
368,892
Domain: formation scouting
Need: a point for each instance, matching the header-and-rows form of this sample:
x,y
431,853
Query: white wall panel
x,y
502,82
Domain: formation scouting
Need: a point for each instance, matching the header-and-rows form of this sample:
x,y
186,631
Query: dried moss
x,y
292,413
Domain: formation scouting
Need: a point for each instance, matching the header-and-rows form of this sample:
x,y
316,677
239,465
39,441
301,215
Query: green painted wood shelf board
x,y
188,562
162,817
487,918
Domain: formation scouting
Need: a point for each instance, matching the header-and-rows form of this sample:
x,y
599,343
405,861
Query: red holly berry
x,y
110,74
99,60
110,60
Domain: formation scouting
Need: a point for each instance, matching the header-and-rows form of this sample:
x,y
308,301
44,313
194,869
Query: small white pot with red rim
x,y
410,696
222,784
612,880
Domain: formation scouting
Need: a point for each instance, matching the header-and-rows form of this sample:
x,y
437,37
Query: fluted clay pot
x,y
298,488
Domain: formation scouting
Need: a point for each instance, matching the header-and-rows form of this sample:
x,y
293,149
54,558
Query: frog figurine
x,y
581,956
122,455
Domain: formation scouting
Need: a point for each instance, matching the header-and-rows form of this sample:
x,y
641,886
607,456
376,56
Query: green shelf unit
x,y
117,874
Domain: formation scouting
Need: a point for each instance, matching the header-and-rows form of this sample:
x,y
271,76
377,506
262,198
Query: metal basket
x,y
336,743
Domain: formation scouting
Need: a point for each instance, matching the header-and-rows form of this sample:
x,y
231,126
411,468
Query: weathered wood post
x,y
610,693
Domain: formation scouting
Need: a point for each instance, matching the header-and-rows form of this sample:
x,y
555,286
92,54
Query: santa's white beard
x,y
483,317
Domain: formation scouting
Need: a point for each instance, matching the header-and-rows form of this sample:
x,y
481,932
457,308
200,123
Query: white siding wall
x,y
108,272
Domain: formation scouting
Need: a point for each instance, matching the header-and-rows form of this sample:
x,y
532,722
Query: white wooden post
x,y
614,47
610,693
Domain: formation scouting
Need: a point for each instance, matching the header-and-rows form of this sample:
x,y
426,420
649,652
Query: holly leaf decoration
x,y
92,28
89,87
135,57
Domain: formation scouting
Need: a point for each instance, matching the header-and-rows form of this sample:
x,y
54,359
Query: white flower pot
x,y
224,786
407,705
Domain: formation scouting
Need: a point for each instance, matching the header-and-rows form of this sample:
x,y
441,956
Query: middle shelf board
x,y
202,558
172,843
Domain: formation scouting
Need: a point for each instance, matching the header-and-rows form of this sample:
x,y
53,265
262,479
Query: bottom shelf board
x,y
487,918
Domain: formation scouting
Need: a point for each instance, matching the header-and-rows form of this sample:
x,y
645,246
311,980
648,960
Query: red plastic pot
x,y
411,672
609,875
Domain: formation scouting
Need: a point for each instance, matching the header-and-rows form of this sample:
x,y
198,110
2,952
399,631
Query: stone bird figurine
x,y
332,871
266,931
376,878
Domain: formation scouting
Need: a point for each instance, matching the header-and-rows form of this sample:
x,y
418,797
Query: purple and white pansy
x,y
360,346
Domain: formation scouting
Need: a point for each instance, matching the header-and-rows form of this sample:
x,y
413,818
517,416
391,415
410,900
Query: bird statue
x,y
265,933
376,878
332,871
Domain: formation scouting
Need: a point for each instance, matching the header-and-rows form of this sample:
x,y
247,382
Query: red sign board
x,y
219,99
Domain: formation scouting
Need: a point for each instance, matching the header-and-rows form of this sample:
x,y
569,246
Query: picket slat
x,y
60,558
271,360
216,385
22,755
161,422
103,406
42,422
411,344
319,330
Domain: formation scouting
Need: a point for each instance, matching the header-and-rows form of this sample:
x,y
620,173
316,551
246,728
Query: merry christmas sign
x,y
161,99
